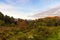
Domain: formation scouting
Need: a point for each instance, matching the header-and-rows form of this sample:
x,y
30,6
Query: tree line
x,y
48,21
6,20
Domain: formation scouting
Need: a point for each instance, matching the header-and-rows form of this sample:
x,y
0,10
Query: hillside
x,y
40,29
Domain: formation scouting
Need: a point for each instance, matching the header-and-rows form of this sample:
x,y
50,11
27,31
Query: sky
x,y
25,8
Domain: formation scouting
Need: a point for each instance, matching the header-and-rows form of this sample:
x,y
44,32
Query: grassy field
x,y
39,33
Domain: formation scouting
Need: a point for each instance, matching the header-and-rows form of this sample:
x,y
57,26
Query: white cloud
x,y
53,10
12,11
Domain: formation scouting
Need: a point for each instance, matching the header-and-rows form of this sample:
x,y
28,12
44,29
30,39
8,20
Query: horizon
x,y
26,8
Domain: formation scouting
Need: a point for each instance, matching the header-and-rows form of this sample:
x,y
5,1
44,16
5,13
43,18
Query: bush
x,y
1,23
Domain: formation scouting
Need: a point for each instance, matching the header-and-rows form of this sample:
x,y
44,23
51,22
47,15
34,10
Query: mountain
x,y
51,12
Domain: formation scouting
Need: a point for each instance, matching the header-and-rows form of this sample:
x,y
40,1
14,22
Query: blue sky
x,y
25,8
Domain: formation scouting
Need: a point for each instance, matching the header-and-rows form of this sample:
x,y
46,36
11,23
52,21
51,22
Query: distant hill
x,y
51,12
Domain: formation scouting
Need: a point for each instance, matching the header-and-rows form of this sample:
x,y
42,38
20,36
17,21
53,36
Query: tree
x,y
7,19
1,16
